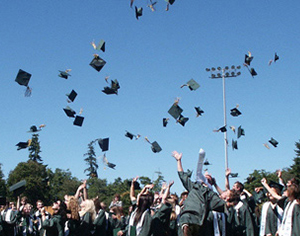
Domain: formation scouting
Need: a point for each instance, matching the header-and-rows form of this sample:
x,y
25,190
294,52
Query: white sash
x,y
216,225
286,226
139,224
199,175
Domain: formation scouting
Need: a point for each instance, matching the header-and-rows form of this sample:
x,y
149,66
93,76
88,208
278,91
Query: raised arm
x,y
167,192
132,193
227,173
78,191
214,183
178,157
279,175
270,190
85,195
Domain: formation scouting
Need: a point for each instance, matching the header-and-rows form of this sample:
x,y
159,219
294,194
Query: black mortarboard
x,y
69,111
235,112
138,12
23,145
170,1
182,120
175,111
129,135
72,95
248,59
165,122
113,89
97,63
273,142
64,74
276,57
33,129
240,132
155,147
192,84
100,46
253,72
199,111
136,185
78,120
2,201
111,165
206,163
234,175
234,144
222,129
23,78
104,144
278,186
18,188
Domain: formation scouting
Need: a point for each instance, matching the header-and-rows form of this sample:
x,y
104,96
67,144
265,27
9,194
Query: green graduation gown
x,y
54,226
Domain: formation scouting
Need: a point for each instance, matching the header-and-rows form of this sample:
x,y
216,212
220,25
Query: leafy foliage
x,y
295,168
2,182
91,161
35,149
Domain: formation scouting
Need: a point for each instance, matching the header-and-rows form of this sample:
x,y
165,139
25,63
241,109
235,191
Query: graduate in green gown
x,y
100,223
198,203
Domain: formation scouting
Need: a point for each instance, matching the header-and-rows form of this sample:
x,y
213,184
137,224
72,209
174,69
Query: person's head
x,y
97,204
103,205
270,196
293,189
39,204
238,187
144,203
184,195
24,200
73,208
175,198
232,198
224,194
27,209
88,206
117,197
12,205
55,208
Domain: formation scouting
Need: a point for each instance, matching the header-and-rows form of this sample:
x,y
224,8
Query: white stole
x,y
216,225
264,217
287,221
139,225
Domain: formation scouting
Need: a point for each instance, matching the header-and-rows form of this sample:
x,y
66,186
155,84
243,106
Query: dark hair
x,y
97,205
240,185
62,210
294,190
234,196
145,201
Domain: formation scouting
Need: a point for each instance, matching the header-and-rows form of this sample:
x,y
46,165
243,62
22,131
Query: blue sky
x,y
151,58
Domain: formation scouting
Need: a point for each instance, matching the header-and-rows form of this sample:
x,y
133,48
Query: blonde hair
x,y
89,206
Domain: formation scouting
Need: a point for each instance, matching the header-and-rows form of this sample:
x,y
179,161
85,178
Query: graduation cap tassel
x,y
147,140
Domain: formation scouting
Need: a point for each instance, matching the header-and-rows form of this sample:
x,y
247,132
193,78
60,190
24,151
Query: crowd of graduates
x,y
204,209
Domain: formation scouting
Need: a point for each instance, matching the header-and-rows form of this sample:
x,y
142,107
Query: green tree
x,y
91,161
295,168
2,183
35,149
253,180
34,173
158,182
62,183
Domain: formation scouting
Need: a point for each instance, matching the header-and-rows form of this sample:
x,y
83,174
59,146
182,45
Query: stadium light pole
x,y
224,73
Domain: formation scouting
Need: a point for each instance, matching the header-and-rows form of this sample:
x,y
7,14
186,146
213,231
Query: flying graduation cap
x,y
235,112
113,89
175,110
273,142
104,144
97,63
108,164
234,144
18,188
240,132
151,5
199,111
276,57
154,146
192,84
165,122
206,163
23,79
182,120
100,46
131,136
248,59
64,74
71,96
23,145
34,129
222,129
138,12
69,112
78,120
233,175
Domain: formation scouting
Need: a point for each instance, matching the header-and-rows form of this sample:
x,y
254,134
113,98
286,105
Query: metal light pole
x,y
223,73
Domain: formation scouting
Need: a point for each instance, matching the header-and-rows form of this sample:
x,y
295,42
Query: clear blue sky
x,y
151,58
